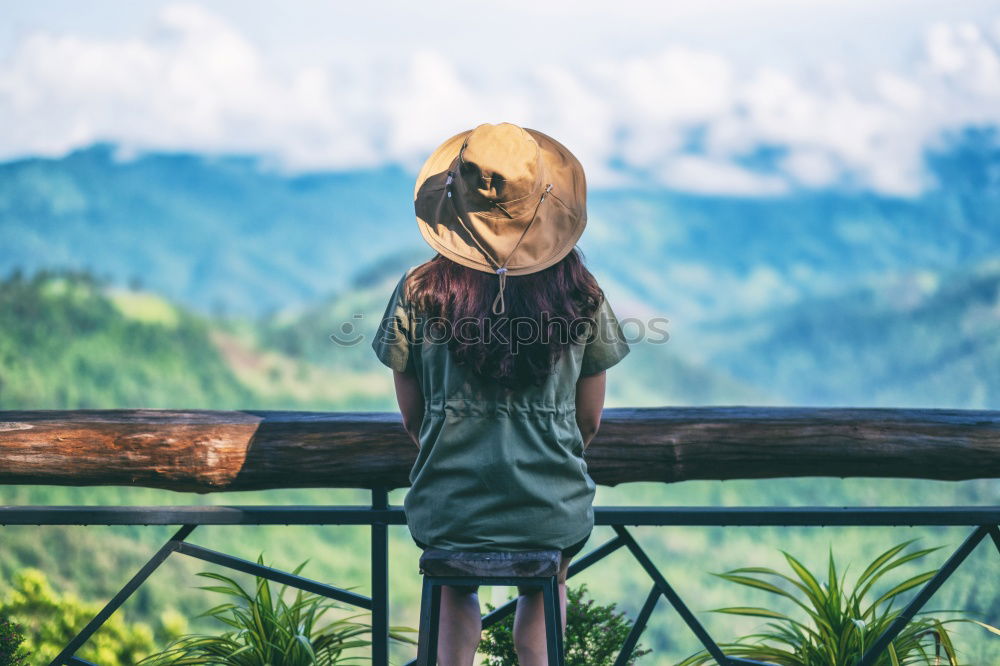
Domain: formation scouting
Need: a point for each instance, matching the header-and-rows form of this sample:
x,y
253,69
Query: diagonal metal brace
x,y
674,599
66,656
928,590
995,535
277,575
640,625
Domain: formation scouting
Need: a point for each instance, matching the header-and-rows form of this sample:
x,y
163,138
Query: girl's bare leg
x,y
529,622
460,627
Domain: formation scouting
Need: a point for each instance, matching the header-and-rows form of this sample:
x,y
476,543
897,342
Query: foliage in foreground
x,y
269,631
50,622
594,634
11,653
841,624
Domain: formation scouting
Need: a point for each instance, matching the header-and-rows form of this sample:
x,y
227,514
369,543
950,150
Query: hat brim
x,y
552,238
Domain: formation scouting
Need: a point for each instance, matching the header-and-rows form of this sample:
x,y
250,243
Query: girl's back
x,y
499,467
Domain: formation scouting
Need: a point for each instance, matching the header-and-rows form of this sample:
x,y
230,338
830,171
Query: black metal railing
x,y
379,515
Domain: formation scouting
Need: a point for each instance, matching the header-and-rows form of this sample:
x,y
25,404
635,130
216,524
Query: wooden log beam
x,y
208,451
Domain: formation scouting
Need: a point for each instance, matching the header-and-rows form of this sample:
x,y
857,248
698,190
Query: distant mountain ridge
x,y
227,234
818,298
217,234
924,341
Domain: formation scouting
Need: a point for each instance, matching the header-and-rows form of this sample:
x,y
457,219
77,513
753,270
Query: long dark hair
x,y
554,300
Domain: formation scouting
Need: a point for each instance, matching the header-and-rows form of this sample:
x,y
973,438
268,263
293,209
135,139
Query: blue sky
x,y
681,92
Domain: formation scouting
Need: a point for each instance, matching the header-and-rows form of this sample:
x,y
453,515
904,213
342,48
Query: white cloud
x,y
899,92
683,116
694,173
811,167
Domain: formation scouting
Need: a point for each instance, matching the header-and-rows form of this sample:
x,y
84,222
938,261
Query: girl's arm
x,y
411,402
589,403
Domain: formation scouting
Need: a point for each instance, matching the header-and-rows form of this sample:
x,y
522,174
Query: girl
x,y
499,346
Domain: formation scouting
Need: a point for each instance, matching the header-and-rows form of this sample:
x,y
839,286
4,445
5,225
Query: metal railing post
x,y
380,580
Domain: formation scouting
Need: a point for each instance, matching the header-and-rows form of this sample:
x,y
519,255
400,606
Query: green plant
x,y
841,624
270,632
50,621
10,644
594,634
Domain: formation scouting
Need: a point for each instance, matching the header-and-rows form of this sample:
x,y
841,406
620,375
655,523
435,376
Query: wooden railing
x,y
209,451
205,451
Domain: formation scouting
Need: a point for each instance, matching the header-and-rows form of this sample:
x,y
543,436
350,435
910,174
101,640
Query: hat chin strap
x,y
498,301
501,268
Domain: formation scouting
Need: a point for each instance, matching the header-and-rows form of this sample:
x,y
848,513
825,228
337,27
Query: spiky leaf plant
x,y
269,632
840,624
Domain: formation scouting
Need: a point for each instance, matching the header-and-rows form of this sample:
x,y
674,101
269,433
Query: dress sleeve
x,y
606,344
394,337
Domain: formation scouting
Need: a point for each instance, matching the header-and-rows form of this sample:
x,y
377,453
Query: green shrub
x,y
11,638
51,621
840,624
594,634
269,632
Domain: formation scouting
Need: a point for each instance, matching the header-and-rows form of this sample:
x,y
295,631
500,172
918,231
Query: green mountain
x,y
69,341
916,340
216,234
229,234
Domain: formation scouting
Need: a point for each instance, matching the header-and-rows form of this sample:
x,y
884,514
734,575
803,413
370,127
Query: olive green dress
x,y
497,469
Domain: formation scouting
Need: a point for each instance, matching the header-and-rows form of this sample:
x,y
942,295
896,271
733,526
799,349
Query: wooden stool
x,y
537,568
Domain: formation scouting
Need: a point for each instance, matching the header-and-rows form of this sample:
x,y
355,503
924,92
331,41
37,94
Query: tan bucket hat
x,y
502,199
